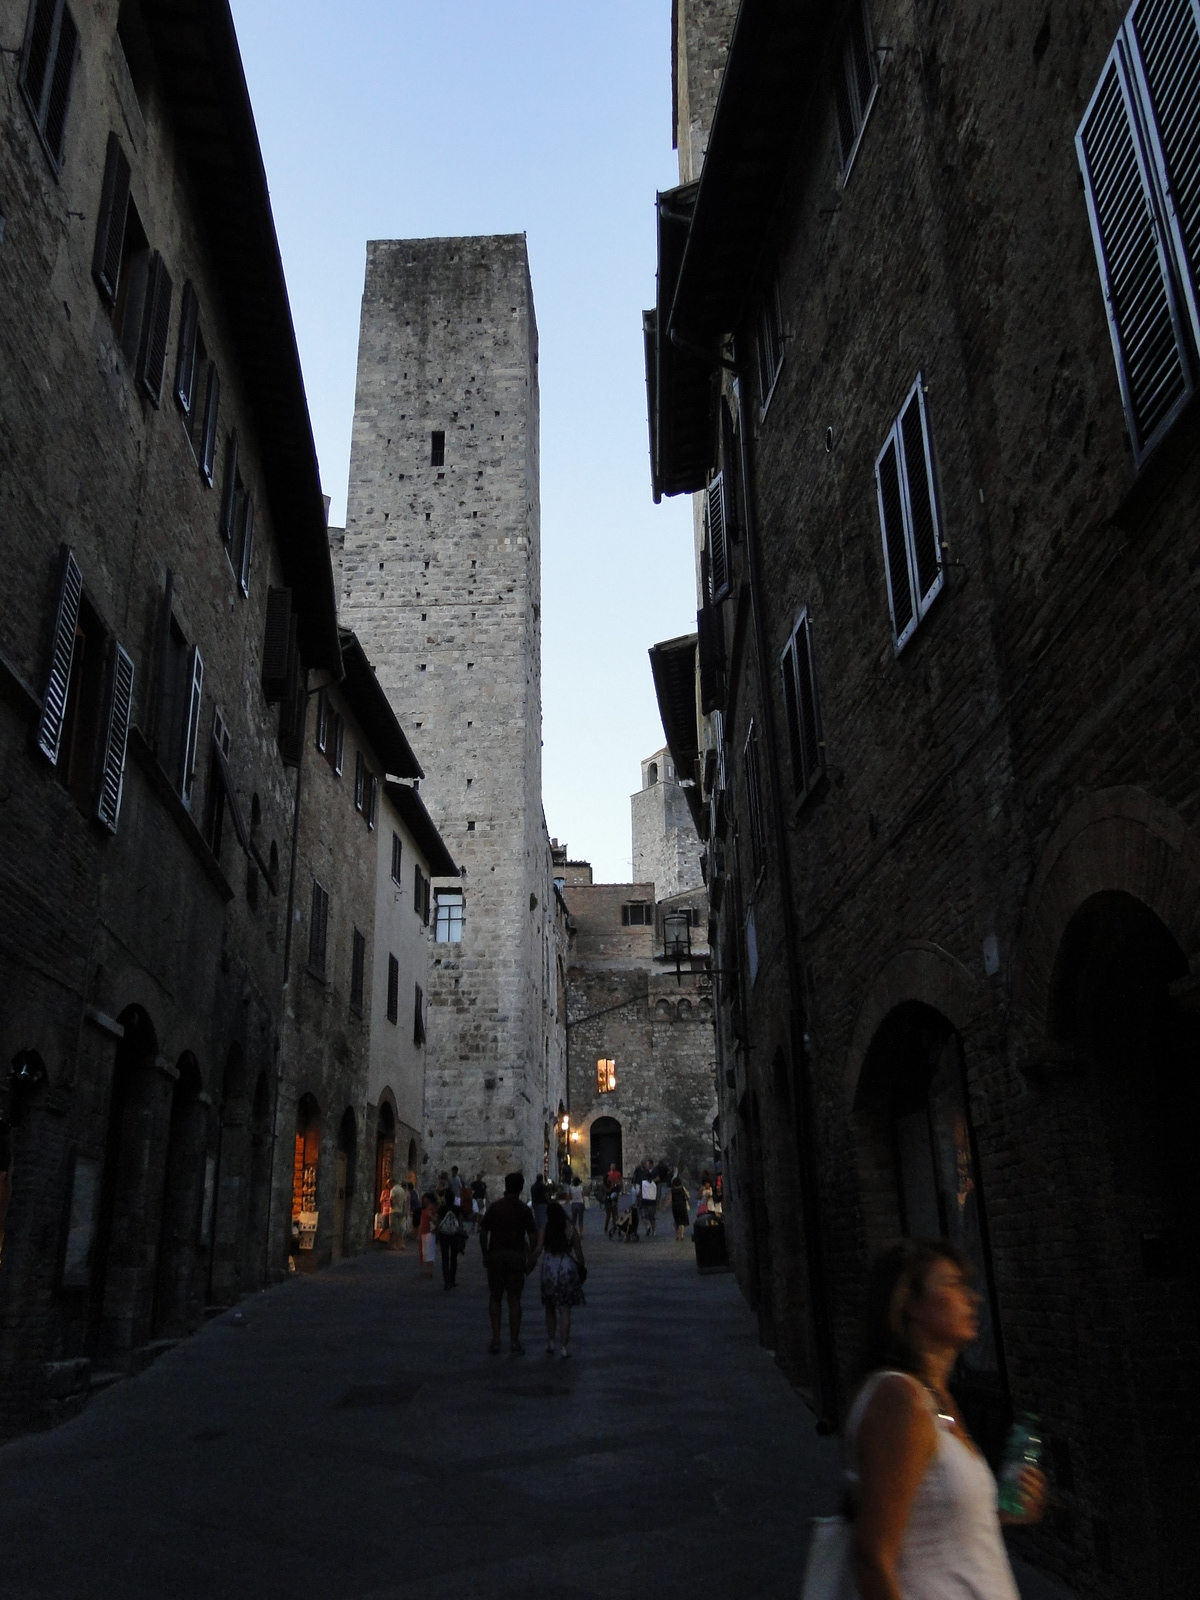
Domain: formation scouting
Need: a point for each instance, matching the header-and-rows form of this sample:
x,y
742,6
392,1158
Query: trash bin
x,y
708,1236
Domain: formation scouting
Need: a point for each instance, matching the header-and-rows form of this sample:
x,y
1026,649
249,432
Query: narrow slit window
x,y
437,448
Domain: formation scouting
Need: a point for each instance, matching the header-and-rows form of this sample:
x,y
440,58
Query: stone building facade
x,y
441,579
168,590
946,726
666,846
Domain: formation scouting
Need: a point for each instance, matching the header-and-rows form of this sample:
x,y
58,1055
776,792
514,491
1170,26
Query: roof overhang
x,y
365,696
673,664
196,52
423,829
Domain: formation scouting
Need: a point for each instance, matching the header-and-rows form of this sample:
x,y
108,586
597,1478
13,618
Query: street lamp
x,y
677,939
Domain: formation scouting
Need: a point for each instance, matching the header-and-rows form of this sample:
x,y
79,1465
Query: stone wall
x,y
666,846
702,32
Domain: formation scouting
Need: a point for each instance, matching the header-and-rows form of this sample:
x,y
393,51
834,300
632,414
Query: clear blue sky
x,y
384,119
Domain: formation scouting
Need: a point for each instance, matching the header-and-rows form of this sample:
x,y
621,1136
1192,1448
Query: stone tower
x,y
441,581
666,846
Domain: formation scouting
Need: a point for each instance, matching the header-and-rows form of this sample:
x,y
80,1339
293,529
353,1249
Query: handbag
x,y
829,1570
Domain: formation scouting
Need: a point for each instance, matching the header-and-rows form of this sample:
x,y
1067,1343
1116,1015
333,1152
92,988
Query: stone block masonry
x,y
441,578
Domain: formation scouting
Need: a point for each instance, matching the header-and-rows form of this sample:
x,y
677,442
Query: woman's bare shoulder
x,y
896,1400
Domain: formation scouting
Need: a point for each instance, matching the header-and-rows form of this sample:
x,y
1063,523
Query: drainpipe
x,y
827,1372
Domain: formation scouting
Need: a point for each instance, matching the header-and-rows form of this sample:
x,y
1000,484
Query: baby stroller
x,y
627,1225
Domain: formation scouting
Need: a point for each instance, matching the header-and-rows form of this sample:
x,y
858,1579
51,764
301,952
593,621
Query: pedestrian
x,y
612,1196
414,1206
649,1203
425,1236
478,1201
679,1207
538,1196
926,1523
577,1205
449,1233
383,1217
399,1201
456,1182
507,1236
561,1251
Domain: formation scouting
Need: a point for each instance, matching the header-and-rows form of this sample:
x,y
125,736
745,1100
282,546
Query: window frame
x,y
39,110
449,898
606,1075
318,931
805,775
921,603
855,105
773,347
393,989
397,857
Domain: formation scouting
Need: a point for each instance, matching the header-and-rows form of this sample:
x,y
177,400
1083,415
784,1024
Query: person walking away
x,y
507,1236
538,1196
449,1231
456,1182
399,1201
679,1207
426,1247
577,1205
561,1251
478,1201
649,1203
926,1523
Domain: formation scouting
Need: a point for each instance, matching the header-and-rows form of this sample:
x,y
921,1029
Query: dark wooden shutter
x,y
116,733
318,926
229,488
895,548
710,647
156,322
416,889
1152,363
36,60
59,97
62,650
110,225
426,885
922,506
191,741
791,706
208,446
1166,37
418,1016
393,994
247,543
185,356
718,538
397,854
322,736
293,713
372,798
276,640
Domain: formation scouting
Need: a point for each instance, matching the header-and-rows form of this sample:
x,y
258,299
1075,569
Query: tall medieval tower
x,y
442,582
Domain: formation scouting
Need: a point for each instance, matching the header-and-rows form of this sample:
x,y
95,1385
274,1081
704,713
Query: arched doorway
x,y
343,1192
1130,1093
302,1226
184,1230
606,1146
913,1090
385,1160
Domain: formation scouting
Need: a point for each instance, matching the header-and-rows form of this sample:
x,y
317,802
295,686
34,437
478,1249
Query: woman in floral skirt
x,y
561,1254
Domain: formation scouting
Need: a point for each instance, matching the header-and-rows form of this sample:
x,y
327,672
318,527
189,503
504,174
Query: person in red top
x,y
425,1249
507,1236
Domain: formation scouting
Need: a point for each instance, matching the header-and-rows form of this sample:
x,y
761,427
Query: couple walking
x,y
513,1244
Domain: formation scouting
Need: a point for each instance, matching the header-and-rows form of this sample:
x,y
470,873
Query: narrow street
x,y
350,1435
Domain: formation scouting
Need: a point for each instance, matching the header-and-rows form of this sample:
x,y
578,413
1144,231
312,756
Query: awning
x,y
421,825
680,387
371,706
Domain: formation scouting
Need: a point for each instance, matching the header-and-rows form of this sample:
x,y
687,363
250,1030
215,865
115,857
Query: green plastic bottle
x,y
1023,1449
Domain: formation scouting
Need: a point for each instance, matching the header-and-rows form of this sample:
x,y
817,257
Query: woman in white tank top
x,y
926,1523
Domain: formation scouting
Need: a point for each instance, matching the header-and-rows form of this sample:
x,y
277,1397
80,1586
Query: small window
x,y
318,925
448,926
397,853
802,710
177,716
754,809
393,994
47,69
358,963
132,279
336,743
606,1076
908,517
419,1016
637,914
371,807
437,449
197,386
855,83
360,781
769,342
237,516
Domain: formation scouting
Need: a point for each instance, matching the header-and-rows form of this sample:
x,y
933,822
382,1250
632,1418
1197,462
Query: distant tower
x,y
441,581
666,846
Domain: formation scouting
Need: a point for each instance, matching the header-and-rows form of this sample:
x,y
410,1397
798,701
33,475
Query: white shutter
x,y
1165,47
116,733
1147,338
58,680
192,736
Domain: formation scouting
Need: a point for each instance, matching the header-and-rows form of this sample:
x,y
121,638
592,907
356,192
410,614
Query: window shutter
x,y
156,321
895,549
276,639
418,1016
62,650
60,85
339,739
718,542
791,706
710,637
1143,319
112,771
318,926
393,994
110,226
729,470
37,53
185,358
191,741
811,743
372,799
416,889
229,489
322,720
918,483
425,888
247,543
1166,38
294,711
208,446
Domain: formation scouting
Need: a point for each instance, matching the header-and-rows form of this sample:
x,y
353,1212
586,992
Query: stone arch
x,y
921,972
1120,839
605,1142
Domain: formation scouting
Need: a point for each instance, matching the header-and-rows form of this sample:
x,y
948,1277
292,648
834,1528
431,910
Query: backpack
x,y
448,1226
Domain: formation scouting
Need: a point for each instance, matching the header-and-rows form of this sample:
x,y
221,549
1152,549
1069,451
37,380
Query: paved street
x,y
351,1436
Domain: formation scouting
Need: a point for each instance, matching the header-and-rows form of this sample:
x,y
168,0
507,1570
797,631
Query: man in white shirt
x,y
649,1203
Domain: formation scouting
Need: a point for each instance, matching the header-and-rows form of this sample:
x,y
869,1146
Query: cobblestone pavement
x,y
351,1436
